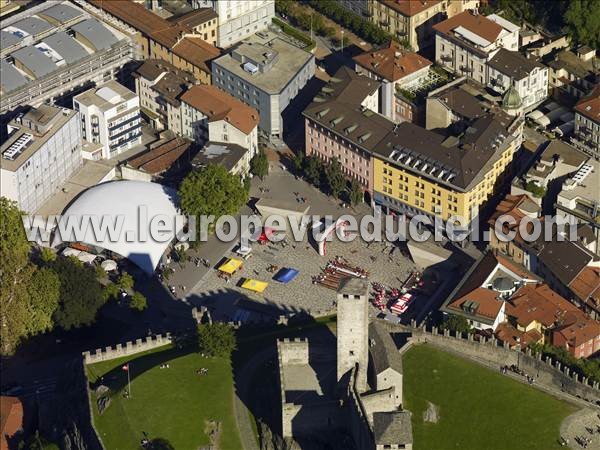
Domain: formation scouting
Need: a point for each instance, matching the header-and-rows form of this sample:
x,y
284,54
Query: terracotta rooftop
x,y
160,158
580,331
517,207
410,7
11,419
196,51
392,62
509,334
195,17
218,105
590,105
541,304
133,14
488,302
478,24
587,286
474,287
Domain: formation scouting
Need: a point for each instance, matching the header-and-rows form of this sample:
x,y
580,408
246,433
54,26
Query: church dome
x,y
511,99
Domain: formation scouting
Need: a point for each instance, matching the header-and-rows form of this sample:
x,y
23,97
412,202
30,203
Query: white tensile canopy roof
x,y
124,201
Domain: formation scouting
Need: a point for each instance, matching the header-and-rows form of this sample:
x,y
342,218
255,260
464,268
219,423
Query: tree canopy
x,y
456,323
212,190
216,339
81,294
259,165
138,302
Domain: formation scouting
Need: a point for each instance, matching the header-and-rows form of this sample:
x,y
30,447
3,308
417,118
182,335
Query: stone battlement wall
x,y
293,351
548,373
129,348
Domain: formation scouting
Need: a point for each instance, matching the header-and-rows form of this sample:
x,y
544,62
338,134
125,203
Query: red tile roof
x,y
392,62
515,206
162,157
488,300
541,304
410,7
196,51
507,333
478,24
219,105
11,418
586,285
590,106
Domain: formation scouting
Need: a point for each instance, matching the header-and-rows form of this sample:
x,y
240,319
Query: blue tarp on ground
x,y
285,275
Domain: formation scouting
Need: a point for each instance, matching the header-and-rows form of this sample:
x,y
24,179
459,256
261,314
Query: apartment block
x,y
239,19
159,85
509,69
110,115
43,149
419,171
587,124
414,20
209,114
342,123
179,41
399,71
55,49
466,42
266,73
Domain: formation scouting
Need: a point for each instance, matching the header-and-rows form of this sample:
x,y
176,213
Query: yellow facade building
x,y
421,173
413,20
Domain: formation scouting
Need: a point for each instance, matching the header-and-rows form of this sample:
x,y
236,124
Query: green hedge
x,y
295,33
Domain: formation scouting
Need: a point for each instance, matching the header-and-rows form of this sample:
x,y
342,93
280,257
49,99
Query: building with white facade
x,y
238,19
42,151
466,42
110,115
209,114
587,123
159,85
396,69
528,77
54,49
266,73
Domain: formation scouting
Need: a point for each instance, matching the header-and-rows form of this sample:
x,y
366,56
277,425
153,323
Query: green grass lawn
x,y
479,408
168,403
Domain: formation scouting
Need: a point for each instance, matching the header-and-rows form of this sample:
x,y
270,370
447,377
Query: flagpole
x,y
129,379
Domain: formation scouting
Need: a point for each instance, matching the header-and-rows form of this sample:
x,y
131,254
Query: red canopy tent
x,y
265,235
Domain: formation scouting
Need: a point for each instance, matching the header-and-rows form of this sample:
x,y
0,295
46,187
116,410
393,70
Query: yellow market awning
x,y
230,266
255,285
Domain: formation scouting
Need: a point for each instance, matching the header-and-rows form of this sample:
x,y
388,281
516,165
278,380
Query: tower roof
x,y
511,99
353,286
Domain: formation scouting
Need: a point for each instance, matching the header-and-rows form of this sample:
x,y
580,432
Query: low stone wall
x,y
548,373
129,348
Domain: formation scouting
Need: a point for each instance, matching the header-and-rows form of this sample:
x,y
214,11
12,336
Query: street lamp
x,y
342,41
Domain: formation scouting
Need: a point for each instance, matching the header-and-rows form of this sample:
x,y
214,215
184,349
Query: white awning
x,y
71,252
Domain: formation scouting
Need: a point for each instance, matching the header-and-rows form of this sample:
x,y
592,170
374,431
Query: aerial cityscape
x,y
299,224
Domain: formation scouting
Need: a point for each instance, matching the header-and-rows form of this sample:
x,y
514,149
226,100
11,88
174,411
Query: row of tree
x,y
329,177
579,18
39,292
334,11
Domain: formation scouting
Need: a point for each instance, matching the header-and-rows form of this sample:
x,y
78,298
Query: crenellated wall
x,y
550,375
129,348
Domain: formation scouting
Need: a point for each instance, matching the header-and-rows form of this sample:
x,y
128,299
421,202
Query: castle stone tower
x,y
353,329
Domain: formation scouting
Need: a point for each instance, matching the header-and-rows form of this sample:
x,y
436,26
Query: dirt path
x,y
576,424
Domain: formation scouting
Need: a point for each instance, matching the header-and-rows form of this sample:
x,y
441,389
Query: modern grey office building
x,y
266,73
43,149
53,49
